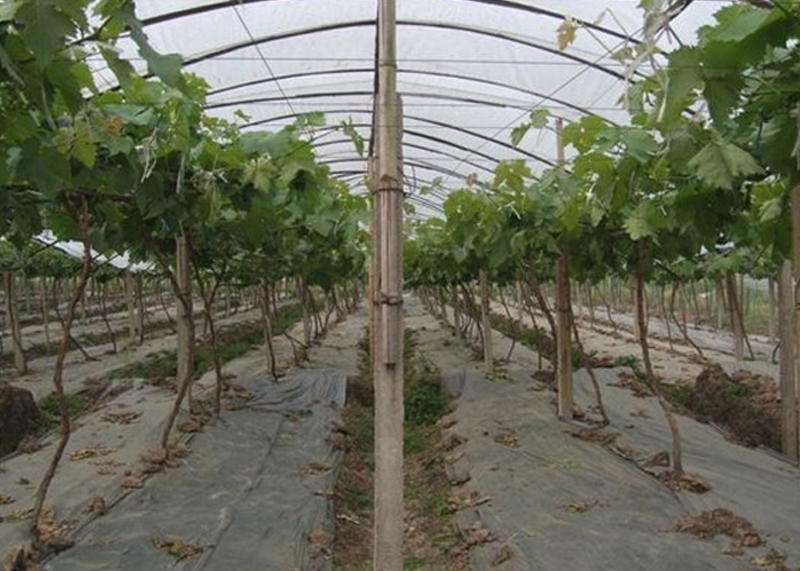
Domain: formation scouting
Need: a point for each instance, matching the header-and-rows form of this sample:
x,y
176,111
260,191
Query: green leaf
x,y
684,77
150,197
45,28
640,144
84,147
771,209
738,22
351,132
638,224
722,96
721,165
518,133
44,167
140,115
512,173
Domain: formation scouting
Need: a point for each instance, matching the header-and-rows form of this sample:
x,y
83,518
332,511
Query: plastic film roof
x,y
468,71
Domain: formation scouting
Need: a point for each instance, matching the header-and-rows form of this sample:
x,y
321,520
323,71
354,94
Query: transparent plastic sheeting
x,y
75,249
468,70
245,494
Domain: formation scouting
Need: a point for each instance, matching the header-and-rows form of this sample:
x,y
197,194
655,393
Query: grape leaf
x,y
45,28
684,76
720,164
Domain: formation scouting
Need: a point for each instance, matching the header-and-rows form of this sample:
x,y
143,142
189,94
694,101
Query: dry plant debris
x,y
157,459
317,468
178,547
5,500
596,435
507,437
19,515
97,506
580,507
772,557
687,482
50,532
710,524
320,542
21,558
124,417
477,534
659,459
502,555
132,482
632,382
451,441
29,445
89,452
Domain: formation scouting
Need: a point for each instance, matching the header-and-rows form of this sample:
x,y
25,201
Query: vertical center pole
x,y
388,372
563,314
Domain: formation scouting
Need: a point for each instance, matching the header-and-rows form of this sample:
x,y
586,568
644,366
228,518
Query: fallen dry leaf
x,y
5,500
502,555
317,467
507,437
97,506
321,542
125,417
132,482
580,507
89,452
772,557
178,547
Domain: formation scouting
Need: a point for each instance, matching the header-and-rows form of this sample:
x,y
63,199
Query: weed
x,y
49,406
631,361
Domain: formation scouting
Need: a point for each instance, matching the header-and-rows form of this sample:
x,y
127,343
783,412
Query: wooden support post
x,y
771,309
486,323
139,309
12,318
45,312
796,271
388,373
733,312
130,286
185,318
564,314
564,356
786,317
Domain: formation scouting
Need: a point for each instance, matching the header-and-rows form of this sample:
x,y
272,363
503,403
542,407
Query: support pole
x,y
563,311
796,269
130,291
486,321
388,373
786,316
185,318
12,318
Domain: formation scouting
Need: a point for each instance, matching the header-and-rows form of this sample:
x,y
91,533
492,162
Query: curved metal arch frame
x,y
507,4
431,121
198,58
424,136
432,138
400,71
413,145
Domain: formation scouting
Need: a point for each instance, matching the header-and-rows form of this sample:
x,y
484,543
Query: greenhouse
x,y
399,284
